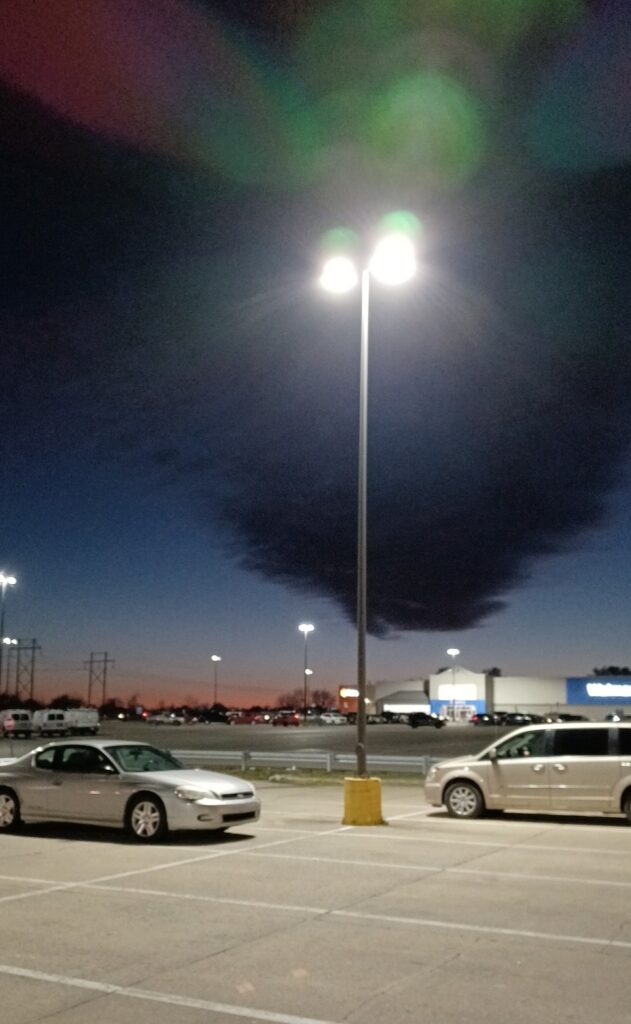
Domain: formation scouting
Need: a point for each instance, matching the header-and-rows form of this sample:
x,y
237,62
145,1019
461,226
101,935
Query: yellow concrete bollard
x,y
362,802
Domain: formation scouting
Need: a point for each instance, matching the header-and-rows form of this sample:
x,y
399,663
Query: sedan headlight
x,y
192,793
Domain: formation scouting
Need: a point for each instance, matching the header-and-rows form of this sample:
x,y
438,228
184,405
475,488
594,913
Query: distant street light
x,y
215,660
305,628
6,580
11,643
453,652
393,262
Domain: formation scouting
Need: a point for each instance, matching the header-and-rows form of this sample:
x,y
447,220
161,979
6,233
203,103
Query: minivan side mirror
x,y
492,754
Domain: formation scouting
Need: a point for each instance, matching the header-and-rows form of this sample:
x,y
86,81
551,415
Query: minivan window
x,y
587,742
526,744
624,741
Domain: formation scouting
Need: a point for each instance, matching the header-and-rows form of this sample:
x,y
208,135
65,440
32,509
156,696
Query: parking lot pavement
x,y
303,920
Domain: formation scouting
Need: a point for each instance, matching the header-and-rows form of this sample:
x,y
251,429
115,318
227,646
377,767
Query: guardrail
x,y
321,760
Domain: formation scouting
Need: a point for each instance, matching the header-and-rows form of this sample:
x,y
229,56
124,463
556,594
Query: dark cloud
x,y
150,317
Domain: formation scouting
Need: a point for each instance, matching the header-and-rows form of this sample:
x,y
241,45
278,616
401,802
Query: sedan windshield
x,y
137,758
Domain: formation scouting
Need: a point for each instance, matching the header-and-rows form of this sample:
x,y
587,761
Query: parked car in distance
x,y
208,717
133,786
565,716
250,718
376,720
418,718
286,717
615,717
521,718
562,766
487,718
332,718
166,718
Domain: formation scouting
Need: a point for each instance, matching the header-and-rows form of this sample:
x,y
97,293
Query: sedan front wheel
x,y
9,810
146,819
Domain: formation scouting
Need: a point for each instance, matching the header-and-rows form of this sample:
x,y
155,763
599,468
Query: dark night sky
x,y
179,415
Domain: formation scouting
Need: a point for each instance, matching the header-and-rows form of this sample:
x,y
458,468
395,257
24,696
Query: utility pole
x,y
97,673
25,669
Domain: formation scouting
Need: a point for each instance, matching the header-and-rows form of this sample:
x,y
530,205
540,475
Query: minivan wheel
x,y
146,818
464,800
9,810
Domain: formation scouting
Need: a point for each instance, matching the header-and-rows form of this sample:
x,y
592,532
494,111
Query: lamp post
x,y
393,262
305,628
11,643
453,652
6,580
215,660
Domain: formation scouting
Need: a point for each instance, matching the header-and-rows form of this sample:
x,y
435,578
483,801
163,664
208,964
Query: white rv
x,y
73,722
83,721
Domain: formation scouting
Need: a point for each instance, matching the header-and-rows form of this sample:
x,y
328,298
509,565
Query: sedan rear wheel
x,y
146,819
464,800
9,810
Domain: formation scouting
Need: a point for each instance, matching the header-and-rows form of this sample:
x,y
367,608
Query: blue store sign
x,y
598,690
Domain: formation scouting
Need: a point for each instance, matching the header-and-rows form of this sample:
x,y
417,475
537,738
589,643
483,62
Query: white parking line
x,y
130,992
521,875
480,928
420,838
232,851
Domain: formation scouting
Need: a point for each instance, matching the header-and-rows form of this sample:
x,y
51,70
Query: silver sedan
x,y
126,785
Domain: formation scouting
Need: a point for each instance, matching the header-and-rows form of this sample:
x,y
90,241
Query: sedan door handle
x,y
56,782
538,767
560,767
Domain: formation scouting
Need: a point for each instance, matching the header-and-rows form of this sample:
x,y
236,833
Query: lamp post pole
x,y
453,652
11,643
393,262
6,580
215,658
362,473
305,628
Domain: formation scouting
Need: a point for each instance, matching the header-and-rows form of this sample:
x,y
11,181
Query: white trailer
x,y
83,721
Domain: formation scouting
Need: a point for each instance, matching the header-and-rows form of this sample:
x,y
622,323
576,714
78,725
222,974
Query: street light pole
x,y
362,474
305,628
215,660
393,262
453,652
5,581
11,643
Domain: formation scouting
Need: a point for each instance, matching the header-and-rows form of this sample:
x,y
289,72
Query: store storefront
x,y
600,691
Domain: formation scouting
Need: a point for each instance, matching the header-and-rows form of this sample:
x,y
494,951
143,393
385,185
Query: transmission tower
x,y
97,673
25,669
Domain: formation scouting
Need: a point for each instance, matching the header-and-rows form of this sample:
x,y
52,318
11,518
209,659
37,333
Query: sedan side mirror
x,y
492,754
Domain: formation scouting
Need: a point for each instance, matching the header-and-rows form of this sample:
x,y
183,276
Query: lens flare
x,y
339,275
394,260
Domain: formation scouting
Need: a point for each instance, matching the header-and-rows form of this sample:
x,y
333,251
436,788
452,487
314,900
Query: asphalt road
x,y
381,739
401,740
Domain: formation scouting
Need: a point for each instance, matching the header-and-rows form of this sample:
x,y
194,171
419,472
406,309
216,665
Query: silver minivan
x,y
577,766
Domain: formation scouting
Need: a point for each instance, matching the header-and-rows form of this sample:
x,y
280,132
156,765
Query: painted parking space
x,y
301,918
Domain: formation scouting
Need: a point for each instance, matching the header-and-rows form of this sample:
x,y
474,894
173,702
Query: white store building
x,y
458,693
